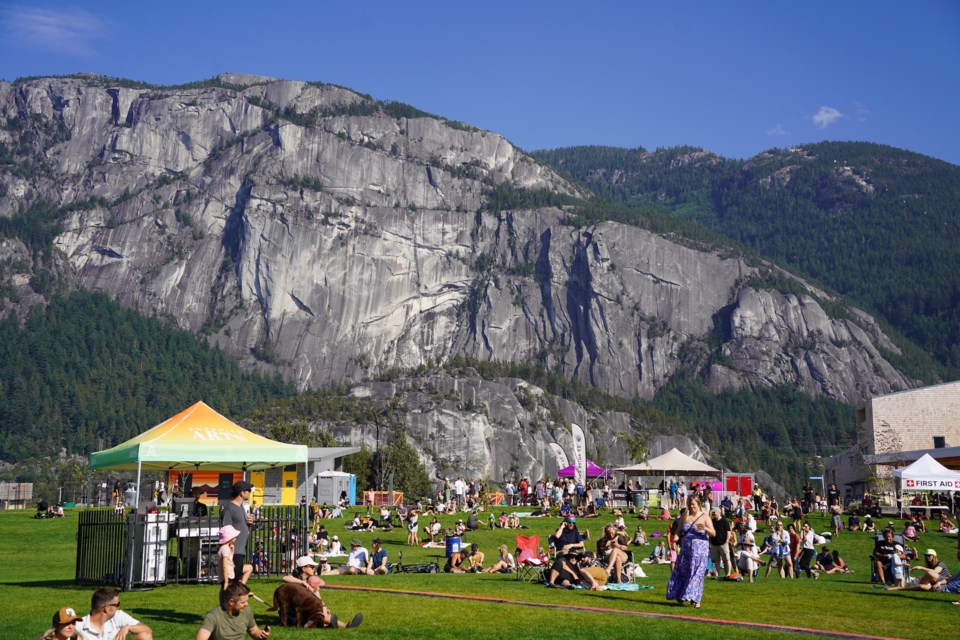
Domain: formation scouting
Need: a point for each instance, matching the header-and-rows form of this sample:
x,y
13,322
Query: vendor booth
x,y
147,547
593,471
671,463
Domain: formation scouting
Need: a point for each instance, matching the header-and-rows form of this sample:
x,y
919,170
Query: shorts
x,y
950,587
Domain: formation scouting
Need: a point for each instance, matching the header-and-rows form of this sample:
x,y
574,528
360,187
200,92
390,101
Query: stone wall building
x,y
893,430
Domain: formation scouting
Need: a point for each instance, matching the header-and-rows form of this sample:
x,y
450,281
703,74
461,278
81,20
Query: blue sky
x,y
732,77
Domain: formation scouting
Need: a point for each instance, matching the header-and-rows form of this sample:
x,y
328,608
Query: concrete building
x,y
894,430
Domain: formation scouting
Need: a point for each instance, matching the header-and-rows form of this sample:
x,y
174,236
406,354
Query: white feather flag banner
x,y
579,454
560,455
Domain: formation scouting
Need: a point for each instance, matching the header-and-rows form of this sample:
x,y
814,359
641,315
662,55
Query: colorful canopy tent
x,y
926,474
593,471
673,462
198,438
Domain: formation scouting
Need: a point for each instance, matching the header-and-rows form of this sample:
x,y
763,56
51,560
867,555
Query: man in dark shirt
x,y
883,551
566,572
567,538
719,542
234,514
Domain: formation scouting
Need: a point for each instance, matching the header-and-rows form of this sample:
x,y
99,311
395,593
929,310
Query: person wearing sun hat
x,y
356,559
227,554
64,625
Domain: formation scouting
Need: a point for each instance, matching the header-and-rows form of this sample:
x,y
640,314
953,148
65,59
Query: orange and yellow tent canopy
x,y
199,438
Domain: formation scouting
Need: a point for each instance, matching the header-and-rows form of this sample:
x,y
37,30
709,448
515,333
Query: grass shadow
x,y
47,584
169,615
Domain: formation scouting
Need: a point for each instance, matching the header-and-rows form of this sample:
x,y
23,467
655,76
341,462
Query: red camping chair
x,y
531,564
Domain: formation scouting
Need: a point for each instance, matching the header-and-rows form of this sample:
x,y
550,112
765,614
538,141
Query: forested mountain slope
x,y
877,224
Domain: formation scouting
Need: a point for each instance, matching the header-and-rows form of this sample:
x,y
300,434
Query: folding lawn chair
x,y
530,564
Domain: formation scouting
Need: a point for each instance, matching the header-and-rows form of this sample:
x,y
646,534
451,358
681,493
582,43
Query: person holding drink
x,y
694,530
233,514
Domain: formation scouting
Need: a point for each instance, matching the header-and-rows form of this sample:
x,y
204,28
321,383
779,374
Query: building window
x,y
939,442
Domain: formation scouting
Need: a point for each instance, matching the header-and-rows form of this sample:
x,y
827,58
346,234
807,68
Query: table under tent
x,y
151,546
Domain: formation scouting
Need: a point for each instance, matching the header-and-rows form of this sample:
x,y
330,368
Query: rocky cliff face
x,y
307,228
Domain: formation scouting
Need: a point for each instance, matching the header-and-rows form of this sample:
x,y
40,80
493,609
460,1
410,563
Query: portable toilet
x,y
330,484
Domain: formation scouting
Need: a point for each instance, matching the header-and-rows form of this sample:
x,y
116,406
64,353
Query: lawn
x,y
37,564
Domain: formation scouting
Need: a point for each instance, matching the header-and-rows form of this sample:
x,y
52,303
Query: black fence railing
x,y
137,550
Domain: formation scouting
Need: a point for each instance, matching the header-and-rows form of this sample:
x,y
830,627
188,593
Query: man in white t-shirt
x,y
107,622
357,559
460,488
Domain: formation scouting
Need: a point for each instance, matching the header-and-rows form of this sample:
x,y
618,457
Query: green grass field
x,y
37,565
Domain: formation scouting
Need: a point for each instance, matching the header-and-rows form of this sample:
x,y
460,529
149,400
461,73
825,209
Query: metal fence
x,y
136,550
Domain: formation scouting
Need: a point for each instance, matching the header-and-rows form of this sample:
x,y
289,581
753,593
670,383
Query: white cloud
x,y
776,131
70,31
825,117
861,112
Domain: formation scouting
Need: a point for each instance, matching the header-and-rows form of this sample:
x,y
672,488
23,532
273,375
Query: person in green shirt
x,y
233,619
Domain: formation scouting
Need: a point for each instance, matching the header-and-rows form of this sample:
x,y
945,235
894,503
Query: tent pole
x,y
139,465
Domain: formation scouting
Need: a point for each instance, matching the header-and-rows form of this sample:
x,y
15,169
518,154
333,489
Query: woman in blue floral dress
x,y
694,530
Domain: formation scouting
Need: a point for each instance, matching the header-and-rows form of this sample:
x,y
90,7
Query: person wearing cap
x,y
64,625
567,537
356,559
323,567
377,564
336,549
233,514
227,554
106,621
304,569
935,574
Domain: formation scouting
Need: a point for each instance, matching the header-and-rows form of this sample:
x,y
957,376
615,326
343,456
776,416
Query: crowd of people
x,y
705,539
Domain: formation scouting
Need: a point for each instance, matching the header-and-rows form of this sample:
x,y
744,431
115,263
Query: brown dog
x,y
298,605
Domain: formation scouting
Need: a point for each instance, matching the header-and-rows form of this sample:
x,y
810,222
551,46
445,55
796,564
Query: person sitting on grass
x,y
305,570
658,555
514,521
839,566
639,537
909,531
356,559
377,565
853,522
946,526
868,524
824,561
64,626
433,529
505,562
748,560
232,619
106,621
475,558
935,574
566,572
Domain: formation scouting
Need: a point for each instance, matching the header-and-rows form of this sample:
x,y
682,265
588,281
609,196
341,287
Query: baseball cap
x,y
356,543
241,486
931,552
375,541
305,561
65,616
336,537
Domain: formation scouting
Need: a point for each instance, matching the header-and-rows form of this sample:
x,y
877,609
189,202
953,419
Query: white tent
x,y
926,474
673,462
